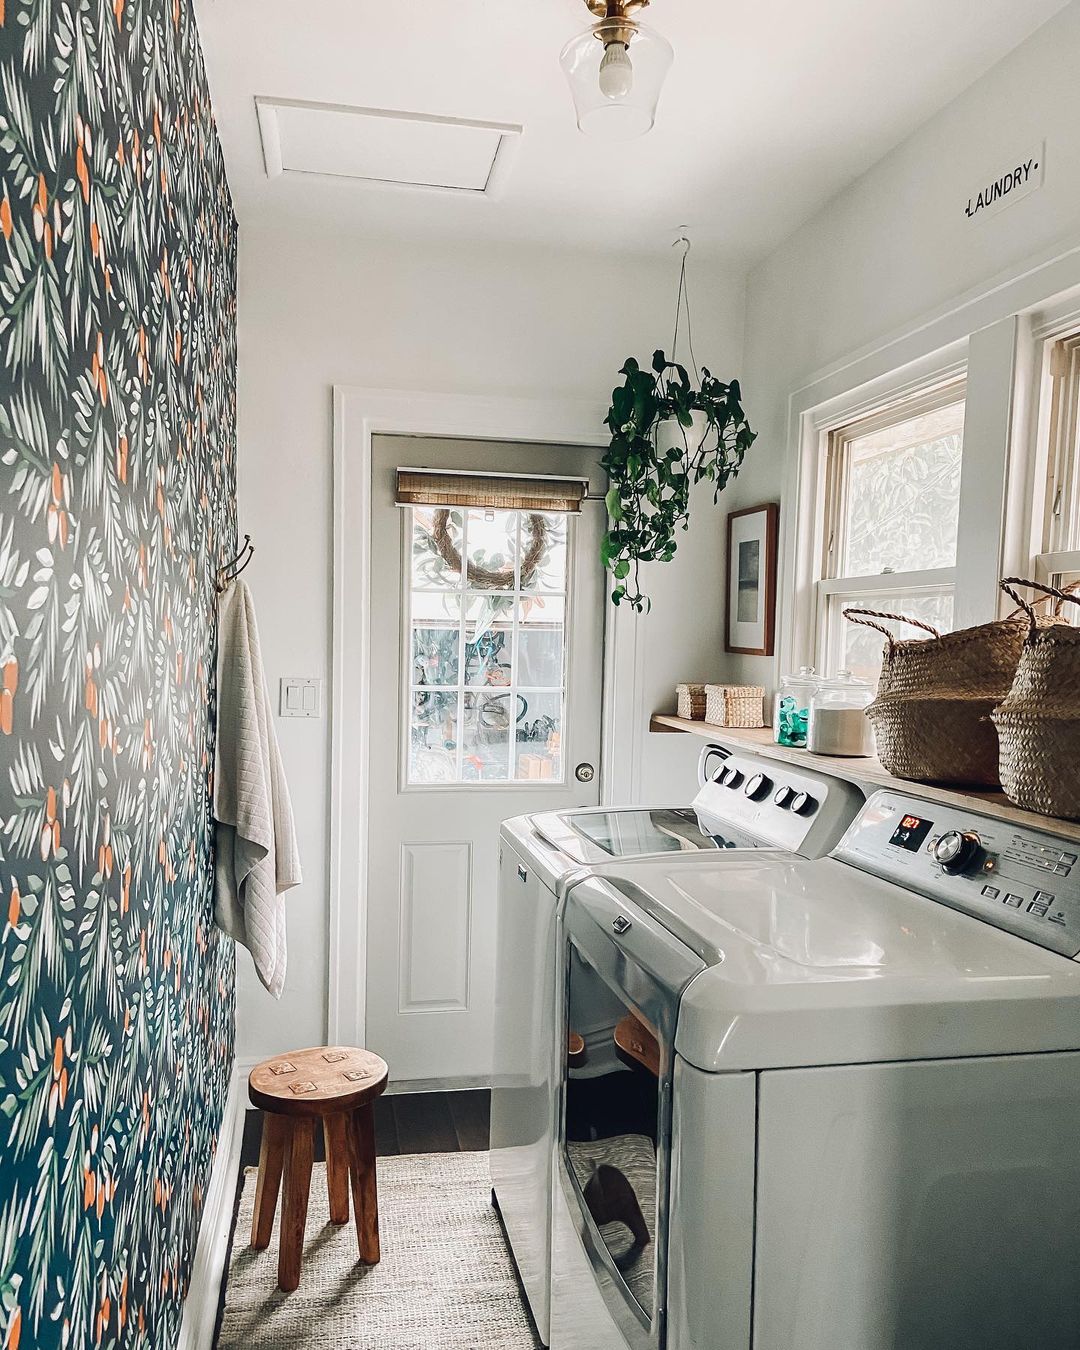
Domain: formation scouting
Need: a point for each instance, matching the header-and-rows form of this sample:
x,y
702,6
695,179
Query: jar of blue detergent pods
x,y
792,716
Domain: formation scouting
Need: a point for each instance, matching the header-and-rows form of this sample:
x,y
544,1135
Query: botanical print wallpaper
x,y
117,408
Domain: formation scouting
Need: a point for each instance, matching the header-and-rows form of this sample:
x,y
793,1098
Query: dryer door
x,y
623,976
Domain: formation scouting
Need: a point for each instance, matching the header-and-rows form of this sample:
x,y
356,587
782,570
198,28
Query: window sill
x,y
866,774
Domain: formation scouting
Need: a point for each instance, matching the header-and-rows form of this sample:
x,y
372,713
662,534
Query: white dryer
x,y
827,1105
745,803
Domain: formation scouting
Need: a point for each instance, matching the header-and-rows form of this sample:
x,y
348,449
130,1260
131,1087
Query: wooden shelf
x,y
864,773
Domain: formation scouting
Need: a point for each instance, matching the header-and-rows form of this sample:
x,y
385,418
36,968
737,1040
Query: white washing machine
x,y
744,803
828,1105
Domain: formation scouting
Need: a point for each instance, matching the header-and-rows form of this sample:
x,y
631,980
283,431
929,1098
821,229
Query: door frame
x,y
359,415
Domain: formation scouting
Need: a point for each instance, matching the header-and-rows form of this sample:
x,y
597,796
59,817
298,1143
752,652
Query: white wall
x,y
317,310
894,256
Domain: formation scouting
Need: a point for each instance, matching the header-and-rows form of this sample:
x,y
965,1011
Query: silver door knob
x,y
584,773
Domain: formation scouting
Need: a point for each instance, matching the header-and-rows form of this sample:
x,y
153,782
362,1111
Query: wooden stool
x,y
335,1084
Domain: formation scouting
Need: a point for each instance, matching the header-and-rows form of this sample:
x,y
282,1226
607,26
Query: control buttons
x,y
991,892
1043,857
804,804
1014,900
957,850
1044,898
1037,909
783,797
757,787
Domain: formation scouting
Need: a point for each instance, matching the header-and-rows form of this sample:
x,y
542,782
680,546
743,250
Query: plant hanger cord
x,y
683,302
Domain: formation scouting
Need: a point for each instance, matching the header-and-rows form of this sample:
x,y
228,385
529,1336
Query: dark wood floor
x,y
407,1122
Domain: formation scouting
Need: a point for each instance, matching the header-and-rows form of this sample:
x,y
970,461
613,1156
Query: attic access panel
x,y
375,145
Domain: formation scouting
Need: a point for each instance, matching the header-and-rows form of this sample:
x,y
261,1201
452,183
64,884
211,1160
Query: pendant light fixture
x,y
616,70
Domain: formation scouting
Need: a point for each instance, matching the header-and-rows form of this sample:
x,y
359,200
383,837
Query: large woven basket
x,y
1038,721
931,715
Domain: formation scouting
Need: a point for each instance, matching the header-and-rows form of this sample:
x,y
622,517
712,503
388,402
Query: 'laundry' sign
x,y
1016,180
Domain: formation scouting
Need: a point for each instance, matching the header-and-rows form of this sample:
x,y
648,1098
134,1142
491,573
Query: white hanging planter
x,y
671,434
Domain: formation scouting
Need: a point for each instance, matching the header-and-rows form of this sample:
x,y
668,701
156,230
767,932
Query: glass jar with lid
x,y
792,716
838,722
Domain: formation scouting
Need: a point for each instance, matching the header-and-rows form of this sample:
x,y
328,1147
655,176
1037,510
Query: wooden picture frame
x,y
752,536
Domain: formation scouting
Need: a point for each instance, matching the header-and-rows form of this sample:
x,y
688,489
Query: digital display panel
x,y
911,832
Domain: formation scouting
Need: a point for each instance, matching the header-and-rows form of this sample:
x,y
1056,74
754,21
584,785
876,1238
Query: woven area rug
x,y
445,1280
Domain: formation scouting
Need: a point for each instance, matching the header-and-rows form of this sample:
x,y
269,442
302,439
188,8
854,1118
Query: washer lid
x,y
601,835
818,963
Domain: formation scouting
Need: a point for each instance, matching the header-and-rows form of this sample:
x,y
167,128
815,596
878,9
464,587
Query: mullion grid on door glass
x,y
461,688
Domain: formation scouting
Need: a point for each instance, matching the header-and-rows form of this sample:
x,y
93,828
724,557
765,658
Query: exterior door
x,y
486,674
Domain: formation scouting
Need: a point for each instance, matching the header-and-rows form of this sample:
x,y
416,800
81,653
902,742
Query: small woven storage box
x,y
735,705
931,714
1038,721
691,701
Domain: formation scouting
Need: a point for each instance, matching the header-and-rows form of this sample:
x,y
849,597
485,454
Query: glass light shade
x,y
628,108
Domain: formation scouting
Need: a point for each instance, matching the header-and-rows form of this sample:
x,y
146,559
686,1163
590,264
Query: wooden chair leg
x,y
361,1133
299,1156
271,1158
337,1167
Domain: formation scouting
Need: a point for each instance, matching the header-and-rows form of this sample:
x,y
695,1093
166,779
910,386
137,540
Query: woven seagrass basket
x,y
931,714
735,705
1038,721
691,701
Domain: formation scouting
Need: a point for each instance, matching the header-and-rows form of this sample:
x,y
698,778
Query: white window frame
x,y
833,465
1054,478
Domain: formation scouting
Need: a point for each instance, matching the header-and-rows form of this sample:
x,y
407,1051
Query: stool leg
x,y
337,1167
361,1131
271,1158
299,1156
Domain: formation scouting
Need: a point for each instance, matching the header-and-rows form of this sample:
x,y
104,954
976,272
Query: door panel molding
x,y
359,415
436,919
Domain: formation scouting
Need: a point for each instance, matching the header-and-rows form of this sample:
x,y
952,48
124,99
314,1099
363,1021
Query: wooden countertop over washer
x,y
866,774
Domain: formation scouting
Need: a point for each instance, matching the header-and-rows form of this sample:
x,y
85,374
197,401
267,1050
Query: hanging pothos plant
x,y
666,436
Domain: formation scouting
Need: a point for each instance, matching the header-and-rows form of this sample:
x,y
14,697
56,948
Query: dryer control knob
x,y
733,778
783,795
957,850
804,804
758,787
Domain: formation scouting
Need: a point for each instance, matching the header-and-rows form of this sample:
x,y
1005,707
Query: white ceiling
x,y
771,107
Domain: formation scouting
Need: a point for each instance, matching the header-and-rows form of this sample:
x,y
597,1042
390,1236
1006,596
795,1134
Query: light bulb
x,y
616,71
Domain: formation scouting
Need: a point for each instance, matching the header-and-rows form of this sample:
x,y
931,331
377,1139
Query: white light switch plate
x,y
300,698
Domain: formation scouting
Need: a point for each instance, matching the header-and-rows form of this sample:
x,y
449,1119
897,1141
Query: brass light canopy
x,y
616,16
616,70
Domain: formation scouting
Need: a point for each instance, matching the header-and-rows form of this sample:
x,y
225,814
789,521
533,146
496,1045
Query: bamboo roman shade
x,y
490,491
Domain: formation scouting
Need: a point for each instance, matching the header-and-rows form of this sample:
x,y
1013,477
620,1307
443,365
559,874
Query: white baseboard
x,y
208,1267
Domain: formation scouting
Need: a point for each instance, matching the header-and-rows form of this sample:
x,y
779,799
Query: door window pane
x,y
540,654
433,719
494,651
436,549
486,736
493,550
538,736
543,552
861,649
902,494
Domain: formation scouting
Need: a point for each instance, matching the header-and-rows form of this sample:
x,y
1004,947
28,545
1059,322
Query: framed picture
x,y
751,580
